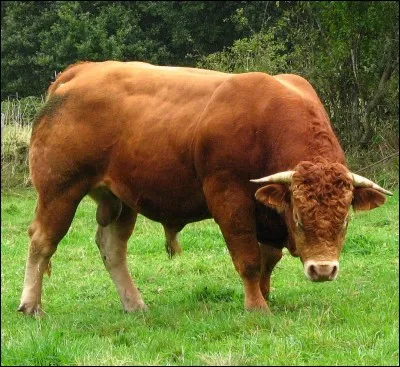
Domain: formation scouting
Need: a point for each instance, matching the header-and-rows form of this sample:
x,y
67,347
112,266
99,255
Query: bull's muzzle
x,y
321,271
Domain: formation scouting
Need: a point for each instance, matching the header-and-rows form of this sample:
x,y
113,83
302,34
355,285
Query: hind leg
x,y
112,243
52,220
171,240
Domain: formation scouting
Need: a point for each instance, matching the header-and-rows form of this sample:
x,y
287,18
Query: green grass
x,y
195,300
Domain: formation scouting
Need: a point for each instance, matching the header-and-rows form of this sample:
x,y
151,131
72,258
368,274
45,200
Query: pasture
x,y
195,300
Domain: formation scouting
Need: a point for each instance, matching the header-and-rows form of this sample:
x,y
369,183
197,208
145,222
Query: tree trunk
x,y
368,133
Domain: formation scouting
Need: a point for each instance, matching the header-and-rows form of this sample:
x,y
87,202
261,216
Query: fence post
x,y
3,116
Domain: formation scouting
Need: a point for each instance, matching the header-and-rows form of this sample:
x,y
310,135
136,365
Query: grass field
x,y
195,300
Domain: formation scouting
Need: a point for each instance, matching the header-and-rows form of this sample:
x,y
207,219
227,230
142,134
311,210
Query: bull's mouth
x,y
321,271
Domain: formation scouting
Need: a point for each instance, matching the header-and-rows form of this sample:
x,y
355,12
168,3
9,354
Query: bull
x,y
255,152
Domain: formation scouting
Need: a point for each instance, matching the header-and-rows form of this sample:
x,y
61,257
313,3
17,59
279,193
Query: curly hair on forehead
x,y
322,192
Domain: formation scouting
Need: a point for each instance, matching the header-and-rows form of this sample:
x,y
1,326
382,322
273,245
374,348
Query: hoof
x,y
173,251
258,306
140,306
30,310
265,310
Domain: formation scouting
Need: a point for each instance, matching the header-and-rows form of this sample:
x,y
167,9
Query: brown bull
x,y
180,145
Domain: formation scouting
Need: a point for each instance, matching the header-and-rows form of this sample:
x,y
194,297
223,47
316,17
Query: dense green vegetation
x,y
348,50
195,300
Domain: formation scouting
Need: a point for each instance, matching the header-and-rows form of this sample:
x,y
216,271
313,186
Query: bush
x,y
259,52
18,117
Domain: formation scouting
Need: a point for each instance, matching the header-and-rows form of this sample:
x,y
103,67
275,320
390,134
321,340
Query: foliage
x,y
349,51
21,112
257,53
40,38
18,116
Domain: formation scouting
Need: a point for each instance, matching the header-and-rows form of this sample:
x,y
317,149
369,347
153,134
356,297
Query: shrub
x,y
17,116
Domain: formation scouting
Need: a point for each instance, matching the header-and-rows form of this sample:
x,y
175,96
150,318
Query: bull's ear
x,y
275,196
367,199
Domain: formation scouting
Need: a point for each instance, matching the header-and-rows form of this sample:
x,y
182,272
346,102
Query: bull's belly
x,y
173,215
167,203
175,209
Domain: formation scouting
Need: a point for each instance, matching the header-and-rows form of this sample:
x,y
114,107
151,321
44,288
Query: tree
x,y
19,44
40,38
349,50
259,52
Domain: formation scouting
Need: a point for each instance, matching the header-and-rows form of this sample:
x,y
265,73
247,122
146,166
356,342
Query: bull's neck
x,y
319,142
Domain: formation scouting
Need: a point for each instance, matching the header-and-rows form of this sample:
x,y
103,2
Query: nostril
x,y
334,272
312,271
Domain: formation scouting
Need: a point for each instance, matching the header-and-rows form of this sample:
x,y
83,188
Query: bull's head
x,y
315,199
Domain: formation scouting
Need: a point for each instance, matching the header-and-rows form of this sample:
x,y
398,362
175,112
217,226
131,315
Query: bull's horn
x,y
360,181
280,177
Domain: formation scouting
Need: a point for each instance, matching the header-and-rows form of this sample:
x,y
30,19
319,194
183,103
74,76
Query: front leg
x,y
233,209
270,256
245,254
